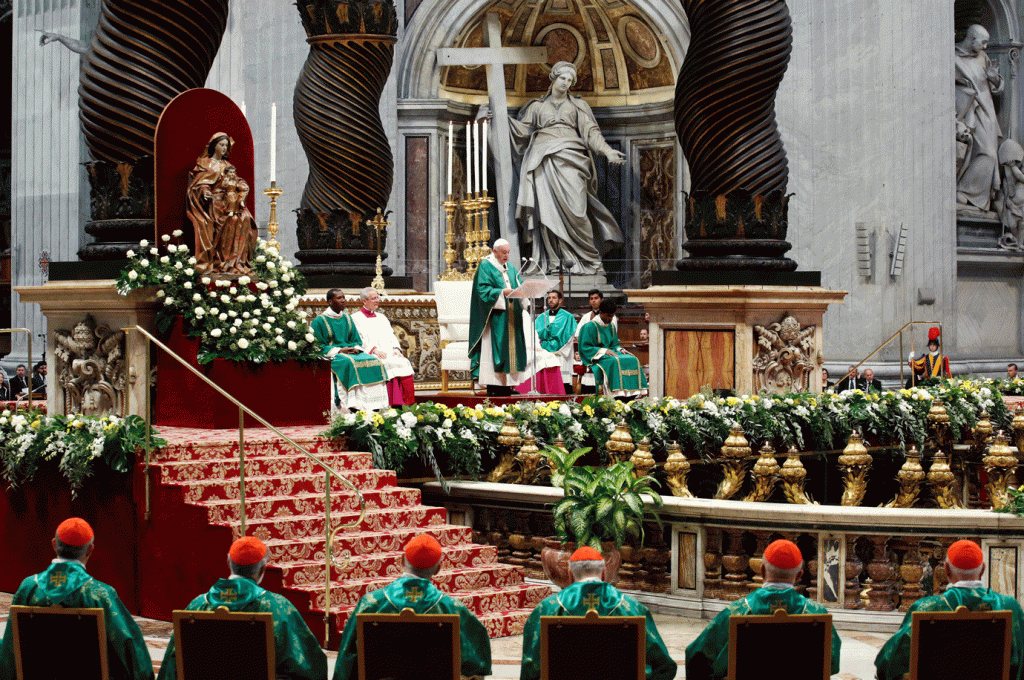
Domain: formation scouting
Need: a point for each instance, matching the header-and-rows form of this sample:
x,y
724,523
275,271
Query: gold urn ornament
x,y
529,457
910,477
735,451
559,443
764,475
983,429
508,437
643,459
620,444
794,476
938,421
1017,425
999,464
677,467
856,462
941,480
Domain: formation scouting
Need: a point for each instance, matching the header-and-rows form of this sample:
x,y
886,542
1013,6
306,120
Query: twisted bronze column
x,y
336,108
725,119
142,55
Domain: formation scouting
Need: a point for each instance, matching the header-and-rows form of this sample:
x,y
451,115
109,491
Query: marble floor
x,y
857,662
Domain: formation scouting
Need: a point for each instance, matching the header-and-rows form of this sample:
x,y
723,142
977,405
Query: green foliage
x,y
1016,504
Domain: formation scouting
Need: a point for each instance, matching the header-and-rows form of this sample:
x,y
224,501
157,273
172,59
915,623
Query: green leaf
x,y
604,507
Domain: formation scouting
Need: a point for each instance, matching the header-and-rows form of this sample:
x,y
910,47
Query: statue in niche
x,y
215,203
784,359
557,205
977,79
1010,202
91,368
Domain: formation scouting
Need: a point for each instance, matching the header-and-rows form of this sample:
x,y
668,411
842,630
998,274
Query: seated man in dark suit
x,y
850,381
871,383
19,383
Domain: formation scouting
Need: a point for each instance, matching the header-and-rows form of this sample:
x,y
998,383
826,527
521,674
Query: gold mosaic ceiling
x,y
620,57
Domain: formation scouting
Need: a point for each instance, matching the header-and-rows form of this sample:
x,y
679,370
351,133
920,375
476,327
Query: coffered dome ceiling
x,y
620,57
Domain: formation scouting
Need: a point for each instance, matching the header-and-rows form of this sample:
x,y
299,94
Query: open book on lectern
x,y
533,288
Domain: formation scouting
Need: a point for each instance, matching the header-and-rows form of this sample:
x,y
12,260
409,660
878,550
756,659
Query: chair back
x,y
453,301
960,644
593,647
429,650
200,652
752,639
82,634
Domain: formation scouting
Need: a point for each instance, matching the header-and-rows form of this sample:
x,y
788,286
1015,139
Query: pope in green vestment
x,y
614,367
359,373
576,600
67,583
708,655
297,652
420,595
894,659
497,343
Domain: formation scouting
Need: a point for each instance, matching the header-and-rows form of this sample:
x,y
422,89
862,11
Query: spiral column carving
x,y
143,54
336,110
725,120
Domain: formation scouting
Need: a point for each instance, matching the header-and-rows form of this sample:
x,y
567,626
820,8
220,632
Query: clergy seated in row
x,y
379,340
589,591
595,297
296,651
964,566
414,590
556,329
782,567
615,369
67,584
359,378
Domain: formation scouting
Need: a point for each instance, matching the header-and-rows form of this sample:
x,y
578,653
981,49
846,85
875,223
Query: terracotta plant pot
x,y
555,558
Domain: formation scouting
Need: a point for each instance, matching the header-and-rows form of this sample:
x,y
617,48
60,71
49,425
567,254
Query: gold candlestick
x,y
450,273
273,192
379,224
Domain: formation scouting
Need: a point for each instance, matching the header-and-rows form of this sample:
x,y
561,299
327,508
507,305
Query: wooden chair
x,y
593,647
960,644
82,634
753,639
224,645
430,646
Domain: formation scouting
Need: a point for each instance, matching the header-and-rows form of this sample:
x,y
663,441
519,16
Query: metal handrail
x,y
29,334
900,333
242,410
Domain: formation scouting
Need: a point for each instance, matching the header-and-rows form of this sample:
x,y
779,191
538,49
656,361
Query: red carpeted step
x,y
276,464
311,548
415,518
284,485
227,447
257,507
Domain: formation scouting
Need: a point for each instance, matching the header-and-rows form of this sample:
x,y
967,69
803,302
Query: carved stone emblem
x,y
91,368
784,356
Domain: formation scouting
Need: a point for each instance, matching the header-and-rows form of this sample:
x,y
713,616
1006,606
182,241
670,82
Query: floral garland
x,y
811,422
243,320
30,439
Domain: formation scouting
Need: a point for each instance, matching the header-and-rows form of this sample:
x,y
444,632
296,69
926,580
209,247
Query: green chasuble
x,y
894,659
708,655
351,369
69,585
616,368
420,595
508,342
575,600
296,651
555,331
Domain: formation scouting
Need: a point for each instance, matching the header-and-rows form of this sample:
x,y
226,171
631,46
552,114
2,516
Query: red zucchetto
x,y
247,551
783,554
585,554
75,532
423,551
965,555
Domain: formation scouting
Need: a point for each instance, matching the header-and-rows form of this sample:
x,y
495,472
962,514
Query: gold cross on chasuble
x,y
591,601
414,594
229,595
58,578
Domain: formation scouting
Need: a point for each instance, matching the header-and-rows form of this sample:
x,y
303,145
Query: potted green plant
x,y
601,506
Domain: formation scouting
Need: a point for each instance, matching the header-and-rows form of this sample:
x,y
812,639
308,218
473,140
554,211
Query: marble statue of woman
x,y
557,206
977,79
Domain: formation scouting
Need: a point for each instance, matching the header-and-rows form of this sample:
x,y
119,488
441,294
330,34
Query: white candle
x,y
469,166
451,153
483,157
273,142
243,108
476,149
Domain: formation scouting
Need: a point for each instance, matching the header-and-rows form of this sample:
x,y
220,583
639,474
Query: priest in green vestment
x,y
296,651
708,655
66,583
497,343
360,383
964,566
589,591
556,329
415,591
615,368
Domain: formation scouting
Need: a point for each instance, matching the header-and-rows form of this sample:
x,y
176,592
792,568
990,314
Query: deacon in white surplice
x,y
379,339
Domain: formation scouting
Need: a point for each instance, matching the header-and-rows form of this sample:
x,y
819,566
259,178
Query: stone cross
x,y
494,57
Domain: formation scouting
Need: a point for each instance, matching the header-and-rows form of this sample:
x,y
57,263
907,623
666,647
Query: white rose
x,y
164,259
232,313
196,297
246,315
160,293
256,312
244,280
199,311
253,332
143,262
292,346
216,332
222,317
261,286
291,324
172,248
214,310
237,322
132,275
273,284
271,319
165,238
205,280
267,326
143,243
169,301
178,265
279,340
233,330
289,291
190,271
188,285
226,299
176,233
191,260
271,265
153,251
310,337
261,258
242,343
130,253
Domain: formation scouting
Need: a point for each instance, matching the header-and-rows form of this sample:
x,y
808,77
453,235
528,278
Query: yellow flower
x,y
419,417
588,410
732,401
536,412
35,424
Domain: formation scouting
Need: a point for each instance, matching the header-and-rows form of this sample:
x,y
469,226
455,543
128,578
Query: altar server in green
x,y
415,591
497,343
66,583
708,655
360,383
589,591
615,368
556,329
964,566
296,651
